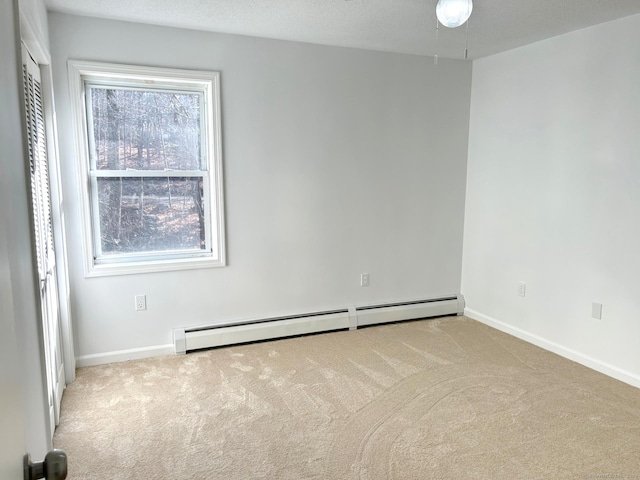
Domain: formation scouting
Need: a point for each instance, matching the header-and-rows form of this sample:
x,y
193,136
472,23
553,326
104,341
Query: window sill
x,y
133,268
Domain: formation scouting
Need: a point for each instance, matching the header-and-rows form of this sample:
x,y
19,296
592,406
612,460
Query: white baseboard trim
x,y
587,361
124,355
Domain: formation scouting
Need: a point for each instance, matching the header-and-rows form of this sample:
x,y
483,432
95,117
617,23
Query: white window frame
x,y
207,83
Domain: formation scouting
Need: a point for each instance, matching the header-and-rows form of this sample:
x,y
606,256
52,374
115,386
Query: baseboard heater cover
x,y
198,338
396,312
264,329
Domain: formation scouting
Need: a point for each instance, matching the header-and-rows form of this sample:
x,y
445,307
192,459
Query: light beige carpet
x,y
434,399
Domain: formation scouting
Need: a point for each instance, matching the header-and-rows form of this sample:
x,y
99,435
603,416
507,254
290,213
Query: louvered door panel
x,y
43,231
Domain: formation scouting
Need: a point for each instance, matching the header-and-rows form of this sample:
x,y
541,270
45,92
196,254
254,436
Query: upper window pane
x,y
145,129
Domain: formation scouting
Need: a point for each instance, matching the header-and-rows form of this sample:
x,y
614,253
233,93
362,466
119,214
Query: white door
x,y
43,232
12,438
12,414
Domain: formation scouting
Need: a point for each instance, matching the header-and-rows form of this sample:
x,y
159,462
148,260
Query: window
x,y
149,151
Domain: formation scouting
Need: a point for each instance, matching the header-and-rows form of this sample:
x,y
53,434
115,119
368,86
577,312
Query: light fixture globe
x,y
453,13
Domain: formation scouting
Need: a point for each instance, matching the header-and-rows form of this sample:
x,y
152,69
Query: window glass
x,y
141,214
145,130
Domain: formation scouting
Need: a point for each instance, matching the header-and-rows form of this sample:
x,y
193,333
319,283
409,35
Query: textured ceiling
x,y
403,26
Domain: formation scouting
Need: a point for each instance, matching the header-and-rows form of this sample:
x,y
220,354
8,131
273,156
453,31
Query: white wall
x,y
553,195
20,308
337,161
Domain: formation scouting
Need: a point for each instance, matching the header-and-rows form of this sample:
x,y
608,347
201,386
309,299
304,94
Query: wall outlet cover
x,y
522,289
141,302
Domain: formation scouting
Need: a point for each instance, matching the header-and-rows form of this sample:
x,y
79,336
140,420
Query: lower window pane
x,y
142,215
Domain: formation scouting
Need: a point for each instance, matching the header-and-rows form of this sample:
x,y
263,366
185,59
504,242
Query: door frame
x,y
33,39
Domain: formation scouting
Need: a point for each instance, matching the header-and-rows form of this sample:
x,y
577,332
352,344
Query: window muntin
x,y
152,157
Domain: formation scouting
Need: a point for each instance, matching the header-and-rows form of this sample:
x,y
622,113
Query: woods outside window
x,y
149,149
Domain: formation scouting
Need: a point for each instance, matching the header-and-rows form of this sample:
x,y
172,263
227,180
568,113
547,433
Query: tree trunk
x,y
113,222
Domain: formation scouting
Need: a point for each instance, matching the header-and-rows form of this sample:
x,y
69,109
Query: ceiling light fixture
x,y
453,13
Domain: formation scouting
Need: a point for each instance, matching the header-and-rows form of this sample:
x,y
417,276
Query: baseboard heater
x,y
198,338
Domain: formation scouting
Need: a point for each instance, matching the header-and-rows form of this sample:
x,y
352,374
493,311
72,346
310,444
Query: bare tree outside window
x,y
138,137
150,214
146,130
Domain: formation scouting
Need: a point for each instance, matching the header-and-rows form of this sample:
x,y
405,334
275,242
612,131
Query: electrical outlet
x,y
141,302
522,289
364,279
